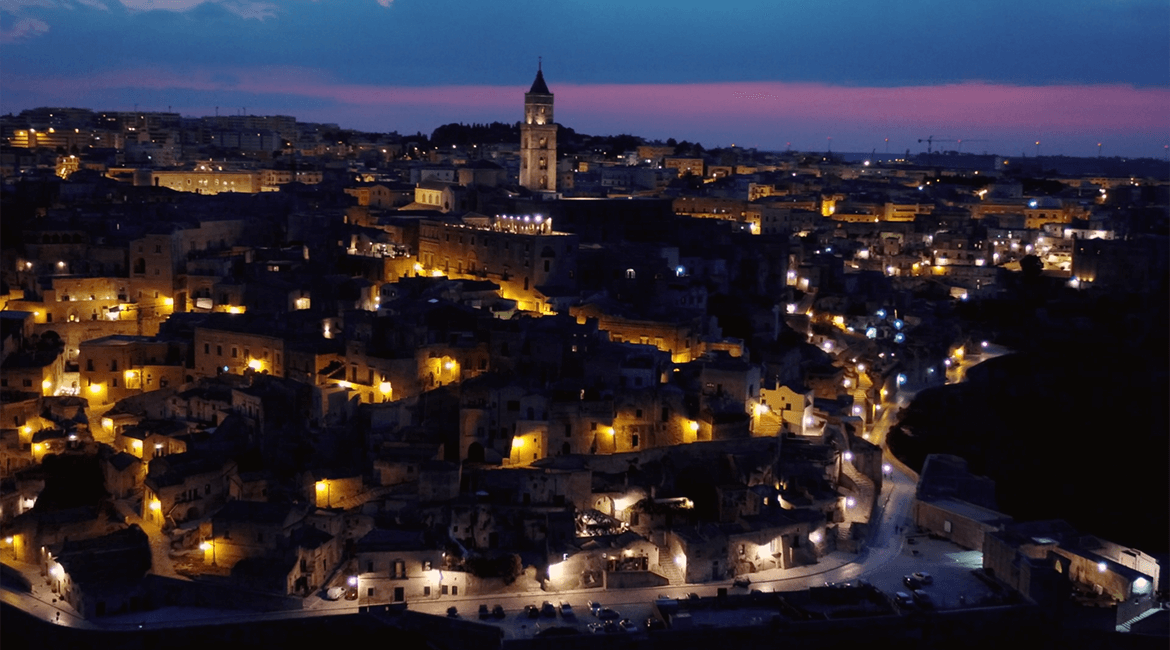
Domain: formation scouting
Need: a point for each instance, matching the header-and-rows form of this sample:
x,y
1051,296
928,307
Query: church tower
x,y
538,139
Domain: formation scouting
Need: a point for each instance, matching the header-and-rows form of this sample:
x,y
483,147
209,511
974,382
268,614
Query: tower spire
x,y
538,63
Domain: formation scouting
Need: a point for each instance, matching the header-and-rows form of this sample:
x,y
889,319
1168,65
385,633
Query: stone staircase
x,y
668,569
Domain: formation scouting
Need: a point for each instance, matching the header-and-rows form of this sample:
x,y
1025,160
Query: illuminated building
x,y
538,139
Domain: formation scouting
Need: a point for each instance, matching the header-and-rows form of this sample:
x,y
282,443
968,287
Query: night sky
x,y
770,74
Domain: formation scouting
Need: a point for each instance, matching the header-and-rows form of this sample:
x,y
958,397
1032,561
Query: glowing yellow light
x,y
138,444
47,384
130,375
517,443
169,302
255,364
448,365
107,423
384,387
436,273
205,546
761,409
694,426
321,486
235,310
156,505
344,384
418,267
38,447
95,388
26,429
609,430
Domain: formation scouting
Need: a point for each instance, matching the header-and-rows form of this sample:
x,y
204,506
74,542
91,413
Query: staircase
x,y
668,569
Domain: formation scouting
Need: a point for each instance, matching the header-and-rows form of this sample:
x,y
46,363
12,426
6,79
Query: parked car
x,y
453,612
532,611
903,599
628,625
655,624
923,577
596,628
594,607
547,610
611,627
607,614
484,612
741,581
498,612
923,599
911,582
566,610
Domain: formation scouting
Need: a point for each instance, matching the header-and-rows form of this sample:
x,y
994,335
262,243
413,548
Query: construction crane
x,y
962,140
930,140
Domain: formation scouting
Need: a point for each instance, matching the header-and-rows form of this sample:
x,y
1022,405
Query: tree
x,y
1031,267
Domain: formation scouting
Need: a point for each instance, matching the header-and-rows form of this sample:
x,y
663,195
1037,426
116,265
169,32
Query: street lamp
x,y
208,545
323,486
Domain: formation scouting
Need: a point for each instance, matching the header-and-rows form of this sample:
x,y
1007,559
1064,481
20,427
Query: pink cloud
x,y
24,28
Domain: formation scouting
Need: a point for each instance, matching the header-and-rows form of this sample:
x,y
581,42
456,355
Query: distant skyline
x,y
998,75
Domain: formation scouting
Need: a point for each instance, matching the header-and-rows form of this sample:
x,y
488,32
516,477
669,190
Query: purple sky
x,y
999,76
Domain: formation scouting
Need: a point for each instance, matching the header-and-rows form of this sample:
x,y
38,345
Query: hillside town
x,y
261,365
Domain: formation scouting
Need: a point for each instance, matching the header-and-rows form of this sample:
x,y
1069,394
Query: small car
x,y
903,599
547,610
655,624
611,627
498,612
594,607
532,611
566,610
923,577
596,628
452,612
607,614
484,612
742,581
628,625
911,582
923,599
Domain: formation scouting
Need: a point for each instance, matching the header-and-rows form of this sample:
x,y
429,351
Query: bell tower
x,y
538,138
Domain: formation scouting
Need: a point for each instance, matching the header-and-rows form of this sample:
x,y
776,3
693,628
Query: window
x,y
219,350
444,590
89,365
235,352
114,382
947,525
427,590
114,365
206,348
454,590
634,441
370,592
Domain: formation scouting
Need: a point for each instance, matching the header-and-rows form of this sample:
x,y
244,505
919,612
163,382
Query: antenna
x,y
538,63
